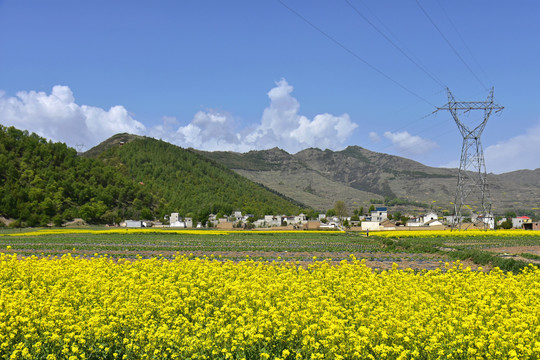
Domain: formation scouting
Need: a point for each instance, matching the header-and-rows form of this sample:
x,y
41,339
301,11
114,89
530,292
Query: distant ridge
x,y
359,176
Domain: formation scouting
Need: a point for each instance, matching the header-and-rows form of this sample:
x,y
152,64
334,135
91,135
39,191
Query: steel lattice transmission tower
x,y
472,191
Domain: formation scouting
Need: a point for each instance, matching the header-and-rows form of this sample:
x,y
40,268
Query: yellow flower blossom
x,y
202,308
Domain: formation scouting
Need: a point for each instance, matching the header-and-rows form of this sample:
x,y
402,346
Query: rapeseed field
x,y
102,308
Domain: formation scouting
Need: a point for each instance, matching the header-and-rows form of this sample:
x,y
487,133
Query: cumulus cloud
x,y
410,144
281,125
519,152
56,116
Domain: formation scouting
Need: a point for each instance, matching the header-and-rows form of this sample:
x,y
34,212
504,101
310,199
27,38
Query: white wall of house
x,y
174,218
517,223
371,225
300,219
379,214
178,224
259,223
133,223
429,216
272,220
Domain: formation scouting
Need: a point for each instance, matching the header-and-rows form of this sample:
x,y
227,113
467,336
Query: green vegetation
x,y
42,182
355,152
192,184
264,160
397,201
301,245
393,201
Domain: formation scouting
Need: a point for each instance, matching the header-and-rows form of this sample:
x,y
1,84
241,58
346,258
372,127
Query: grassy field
x,y
417,250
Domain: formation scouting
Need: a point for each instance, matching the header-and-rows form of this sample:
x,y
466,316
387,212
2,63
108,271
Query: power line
x,y
450,44
358,57
463,41
368,64
395,45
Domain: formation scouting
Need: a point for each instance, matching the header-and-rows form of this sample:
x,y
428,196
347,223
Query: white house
x,y
517,222
185,223
429,219
174,218
429,216
379,214
300,219
370,225
133,223
272,220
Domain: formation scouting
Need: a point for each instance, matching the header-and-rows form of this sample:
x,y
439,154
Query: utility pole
x,y
472,191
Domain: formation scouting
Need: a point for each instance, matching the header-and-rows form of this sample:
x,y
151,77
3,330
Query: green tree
x,y
340,208
507,224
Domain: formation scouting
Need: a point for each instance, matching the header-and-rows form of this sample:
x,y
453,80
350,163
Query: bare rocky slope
x,y
356,175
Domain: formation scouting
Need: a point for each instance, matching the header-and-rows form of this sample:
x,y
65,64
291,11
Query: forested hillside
x,y
43,182
189,183
127,177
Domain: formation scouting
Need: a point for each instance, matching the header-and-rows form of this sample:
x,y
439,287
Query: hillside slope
x,y
359,177
42,182
187,182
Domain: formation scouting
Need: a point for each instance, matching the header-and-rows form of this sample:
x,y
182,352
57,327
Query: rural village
x,y
378,220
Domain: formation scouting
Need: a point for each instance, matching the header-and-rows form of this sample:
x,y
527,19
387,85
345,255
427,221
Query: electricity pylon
x,y
472,188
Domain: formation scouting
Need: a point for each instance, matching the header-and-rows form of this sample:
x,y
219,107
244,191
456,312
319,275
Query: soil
x,y
515,251
374,260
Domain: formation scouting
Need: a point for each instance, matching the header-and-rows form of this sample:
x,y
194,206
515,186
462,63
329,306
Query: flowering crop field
x,y
147,294
101,308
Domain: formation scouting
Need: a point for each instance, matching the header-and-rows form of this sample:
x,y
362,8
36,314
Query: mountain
x,y
43,182
361,177
187,182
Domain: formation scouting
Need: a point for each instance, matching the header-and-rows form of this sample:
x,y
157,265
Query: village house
x,y
175,220
300,219
488,220
379,214
132,224
429,219
517,222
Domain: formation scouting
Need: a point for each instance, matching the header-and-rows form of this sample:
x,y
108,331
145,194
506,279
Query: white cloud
x,y
410,144
281,125
374,137
519,152
56,116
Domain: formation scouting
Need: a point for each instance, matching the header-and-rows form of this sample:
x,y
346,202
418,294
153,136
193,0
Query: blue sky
x,y
242,75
